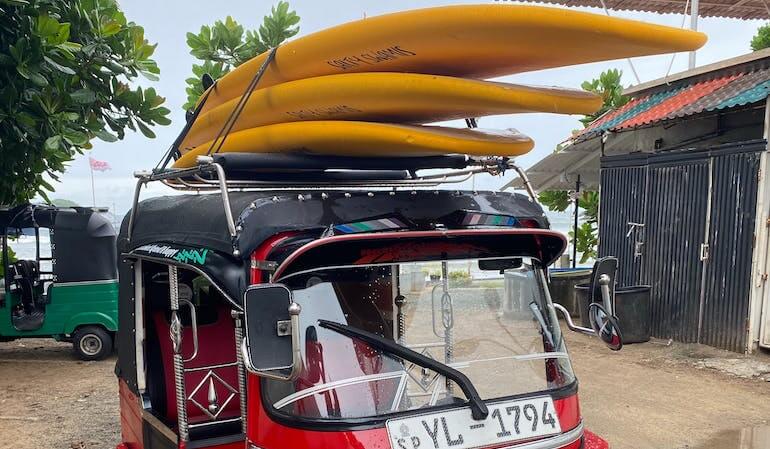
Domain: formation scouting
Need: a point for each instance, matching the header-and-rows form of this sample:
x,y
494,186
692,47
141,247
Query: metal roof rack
x,y
210,176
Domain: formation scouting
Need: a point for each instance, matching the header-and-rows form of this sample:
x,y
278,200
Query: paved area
x,y
647,396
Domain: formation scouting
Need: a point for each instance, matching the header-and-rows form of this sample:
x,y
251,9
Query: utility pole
x,y
694,11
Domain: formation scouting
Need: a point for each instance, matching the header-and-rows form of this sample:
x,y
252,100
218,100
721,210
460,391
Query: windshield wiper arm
x,y
479,409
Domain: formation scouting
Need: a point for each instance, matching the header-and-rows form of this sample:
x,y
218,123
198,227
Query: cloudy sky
x,y
167,21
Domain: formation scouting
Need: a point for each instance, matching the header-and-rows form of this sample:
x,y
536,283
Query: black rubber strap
x,y
216,145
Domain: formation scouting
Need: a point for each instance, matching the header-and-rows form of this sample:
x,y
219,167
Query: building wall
x,y
695,249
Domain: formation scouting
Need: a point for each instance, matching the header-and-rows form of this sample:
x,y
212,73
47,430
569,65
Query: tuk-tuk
x,y
67,289
342,314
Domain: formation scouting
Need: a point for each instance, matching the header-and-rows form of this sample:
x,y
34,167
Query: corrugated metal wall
x,y
623,190
676,225
727,281
688,194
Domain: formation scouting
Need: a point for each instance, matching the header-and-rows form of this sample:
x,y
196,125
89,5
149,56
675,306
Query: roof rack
x,y
210,176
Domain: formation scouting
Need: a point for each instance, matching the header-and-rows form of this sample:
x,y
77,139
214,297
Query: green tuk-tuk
x,y
70,295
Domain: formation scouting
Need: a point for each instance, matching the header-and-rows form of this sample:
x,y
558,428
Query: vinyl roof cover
x,y
199,220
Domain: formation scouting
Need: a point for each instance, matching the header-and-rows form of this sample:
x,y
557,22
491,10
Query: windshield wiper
x,y
479,409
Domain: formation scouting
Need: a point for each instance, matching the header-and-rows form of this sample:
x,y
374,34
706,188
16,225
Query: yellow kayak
x,y
476,41
387,97
366,139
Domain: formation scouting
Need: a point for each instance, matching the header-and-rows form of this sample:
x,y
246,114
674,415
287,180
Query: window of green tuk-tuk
x,y
23,244
497,326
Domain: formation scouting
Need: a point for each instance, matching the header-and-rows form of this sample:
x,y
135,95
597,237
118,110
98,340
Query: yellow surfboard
x,y
387,97
476,41
366,139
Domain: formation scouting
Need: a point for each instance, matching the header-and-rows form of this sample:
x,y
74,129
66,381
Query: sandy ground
x,y
644,397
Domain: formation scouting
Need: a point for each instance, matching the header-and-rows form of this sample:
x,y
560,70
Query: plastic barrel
x,y
583,298
562,287
632,307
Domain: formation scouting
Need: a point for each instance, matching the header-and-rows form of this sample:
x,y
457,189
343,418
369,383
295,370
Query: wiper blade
x,y
479,409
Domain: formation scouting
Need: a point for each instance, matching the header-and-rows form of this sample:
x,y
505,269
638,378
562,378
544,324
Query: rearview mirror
x,y
499,264
605,326
271,344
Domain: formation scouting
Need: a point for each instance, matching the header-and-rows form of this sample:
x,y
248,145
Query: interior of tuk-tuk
x,y
59,276
410,302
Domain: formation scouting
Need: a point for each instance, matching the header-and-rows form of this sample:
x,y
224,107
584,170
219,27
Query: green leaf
x,y
59,67
145,130
106,136
83,96
75,137
110,29
52,143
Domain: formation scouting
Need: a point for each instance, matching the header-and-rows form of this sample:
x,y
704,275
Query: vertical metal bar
x,y
447,320
575,225
241,368
706,238
139,326
694,11
176,341
759,308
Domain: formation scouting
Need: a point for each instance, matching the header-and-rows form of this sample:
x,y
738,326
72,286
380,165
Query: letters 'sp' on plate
x,y
508,421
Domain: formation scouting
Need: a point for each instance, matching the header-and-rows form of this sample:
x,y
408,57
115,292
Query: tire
x,y
91,343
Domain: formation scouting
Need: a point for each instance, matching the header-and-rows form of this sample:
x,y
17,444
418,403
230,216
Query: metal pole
x,y
93,190
694,11
575,225
176,341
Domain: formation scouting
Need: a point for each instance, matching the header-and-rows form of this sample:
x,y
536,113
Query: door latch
x,y
704,252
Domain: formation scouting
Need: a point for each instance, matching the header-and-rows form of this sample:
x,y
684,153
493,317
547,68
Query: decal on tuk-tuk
x,y
181,255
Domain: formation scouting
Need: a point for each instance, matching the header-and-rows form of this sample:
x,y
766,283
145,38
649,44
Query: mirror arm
x,y
571,324
604,286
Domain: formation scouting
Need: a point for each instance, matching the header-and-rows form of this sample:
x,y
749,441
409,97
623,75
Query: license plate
x,y
507,422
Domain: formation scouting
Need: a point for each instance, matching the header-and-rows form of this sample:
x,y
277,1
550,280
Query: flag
x,y
98,165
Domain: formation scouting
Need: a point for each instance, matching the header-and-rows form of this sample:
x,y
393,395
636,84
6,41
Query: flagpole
x,y
93,190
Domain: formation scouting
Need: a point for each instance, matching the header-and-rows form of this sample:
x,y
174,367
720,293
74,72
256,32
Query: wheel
x,y
91,343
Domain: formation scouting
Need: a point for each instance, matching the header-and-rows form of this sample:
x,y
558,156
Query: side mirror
x,y
271,344
605,326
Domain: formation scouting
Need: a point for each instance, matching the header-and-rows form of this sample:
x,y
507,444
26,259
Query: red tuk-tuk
x,y
341,309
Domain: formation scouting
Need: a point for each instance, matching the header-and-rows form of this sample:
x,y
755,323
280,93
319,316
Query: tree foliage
x,y
761,40
225,45
608,86
65,73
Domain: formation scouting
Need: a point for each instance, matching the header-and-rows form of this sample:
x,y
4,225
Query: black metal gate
x,y
676,226
695,248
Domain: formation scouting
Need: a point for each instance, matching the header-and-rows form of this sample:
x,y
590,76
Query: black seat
x,y
25,278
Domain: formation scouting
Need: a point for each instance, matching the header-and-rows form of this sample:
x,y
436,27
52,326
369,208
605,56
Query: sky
x,y
167,21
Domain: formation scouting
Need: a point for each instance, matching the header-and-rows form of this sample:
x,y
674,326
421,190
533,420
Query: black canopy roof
x,y
199,220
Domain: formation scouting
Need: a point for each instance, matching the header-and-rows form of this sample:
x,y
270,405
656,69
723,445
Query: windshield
x,y
491,320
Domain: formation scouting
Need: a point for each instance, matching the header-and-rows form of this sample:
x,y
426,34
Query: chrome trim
x,y
527,184
141,379
194,325
292,398
571,324
555,442
100,281
209,367
176,340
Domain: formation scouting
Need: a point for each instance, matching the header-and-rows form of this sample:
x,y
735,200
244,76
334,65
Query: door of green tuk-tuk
x,y
59,278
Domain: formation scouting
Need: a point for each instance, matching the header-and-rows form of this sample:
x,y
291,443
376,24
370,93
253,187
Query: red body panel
x,y
130,418
268,434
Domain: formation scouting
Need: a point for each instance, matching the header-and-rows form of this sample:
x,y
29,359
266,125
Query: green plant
x,y
459,278
224,45
66,68
608,86
11,259
762,38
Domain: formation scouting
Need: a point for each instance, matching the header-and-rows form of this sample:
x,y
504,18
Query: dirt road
x,y
644,397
